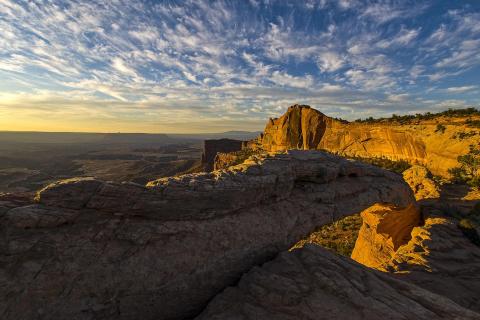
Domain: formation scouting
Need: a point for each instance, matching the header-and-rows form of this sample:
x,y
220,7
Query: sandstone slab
x,y
314,283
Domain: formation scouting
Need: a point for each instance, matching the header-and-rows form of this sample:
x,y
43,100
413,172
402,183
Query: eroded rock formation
x,y
90,249
313,283
440,258
433,255
302,127
385,228
213,146
421,182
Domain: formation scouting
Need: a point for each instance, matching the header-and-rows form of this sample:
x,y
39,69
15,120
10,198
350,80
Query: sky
x,y
213,66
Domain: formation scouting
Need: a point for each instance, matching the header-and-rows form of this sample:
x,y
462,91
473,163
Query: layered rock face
x,y
90,249
302,127
313,283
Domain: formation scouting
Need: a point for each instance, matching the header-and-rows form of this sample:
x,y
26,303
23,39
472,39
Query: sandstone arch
x,y
91,249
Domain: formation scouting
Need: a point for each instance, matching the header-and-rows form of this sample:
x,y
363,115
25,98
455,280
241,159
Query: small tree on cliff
x,y
469,169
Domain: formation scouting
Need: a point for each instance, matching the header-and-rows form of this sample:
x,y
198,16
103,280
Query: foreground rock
x,y
313,283
384,229
440,258
434,255
96,250
302,127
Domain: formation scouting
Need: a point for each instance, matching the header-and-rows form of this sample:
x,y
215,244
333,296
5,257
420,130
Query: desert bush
x,y
473,123
423,116
440,128
469,169
395,166
339,236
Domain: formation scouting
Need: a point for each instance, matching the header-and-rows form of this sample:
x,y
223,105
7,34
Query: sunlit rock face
x,y
302,127
385,228
433,254
421,182
89,249
314,283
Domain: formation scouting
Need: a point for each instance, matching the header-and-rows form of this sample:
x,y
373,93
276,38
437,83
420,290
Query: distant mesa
x,y
213,146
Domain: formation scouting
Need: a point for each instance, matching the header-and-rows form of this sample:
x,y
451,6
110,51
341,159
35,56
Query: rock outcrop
x,y
441,259
385,228
421,182
302,127
214,146
313,283
433,254
90,249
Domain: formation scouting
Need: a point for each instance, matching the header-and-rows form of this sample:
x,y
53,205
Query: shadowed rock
x,y
313,283
97,250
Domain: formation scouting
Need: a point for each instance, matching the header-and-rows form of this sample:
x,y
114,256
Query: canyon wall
x,y
89,249
302,127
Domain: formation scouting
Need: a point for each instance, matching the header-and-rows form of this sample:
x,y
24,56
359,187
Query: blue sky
x,y
211,66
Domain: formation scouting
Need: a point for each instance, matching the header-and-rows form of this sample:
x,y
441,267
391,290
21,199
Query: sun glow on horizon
x,y
216,66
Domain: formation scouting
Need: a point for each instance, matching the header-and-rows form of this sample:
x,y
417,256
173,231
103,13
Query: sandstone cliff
x,y
90,249
302,127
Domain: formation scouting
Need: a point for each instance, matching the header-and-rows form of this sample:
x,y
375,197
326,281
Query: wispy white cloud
x,y
330,61
134,60
460,89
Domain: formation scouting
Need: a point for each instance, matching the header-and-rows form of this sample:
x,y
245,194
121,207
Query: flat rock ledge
x,y
89,249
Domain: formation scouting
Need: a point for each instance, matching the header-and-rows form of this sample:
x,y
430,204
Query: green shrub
x,y
425,116
473,123
395,166
440,128
469,169
339,236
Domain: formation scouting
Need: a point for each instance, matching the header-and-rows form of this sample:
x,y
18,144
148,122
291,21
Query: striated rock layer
x,y
312,283
90,249
302,127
